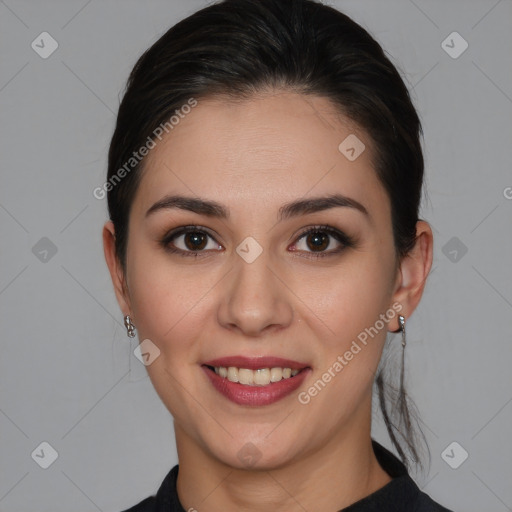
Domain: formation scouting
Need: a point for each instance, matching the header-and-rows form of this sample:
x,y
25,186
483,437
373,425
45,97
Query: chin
x,y
254,455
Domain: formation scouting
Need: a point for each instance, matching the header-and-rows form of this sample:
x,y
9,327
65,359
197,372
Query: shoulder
x,y
402,493
147,505
165,499
425,503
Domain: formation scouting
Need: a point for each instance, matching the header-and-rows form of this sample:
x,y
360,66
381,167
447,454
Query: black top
x,y
401,494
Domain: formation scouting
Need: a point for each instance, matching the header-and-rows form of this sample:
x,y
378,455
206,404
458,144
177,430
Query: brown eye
x,y
317,241
195,240
189,241
322,241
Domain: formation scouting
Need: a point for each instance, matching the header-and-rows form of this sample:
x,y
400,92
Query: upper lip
x,y
254,363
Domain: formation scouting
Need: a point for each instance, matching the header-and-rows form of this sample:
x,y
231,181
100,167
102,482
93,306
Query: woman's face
x,y
258,284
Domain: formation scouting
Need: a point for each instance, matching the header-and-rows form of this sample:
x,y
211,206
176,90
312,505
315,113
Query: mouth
x,y
255,371
255,377
260,386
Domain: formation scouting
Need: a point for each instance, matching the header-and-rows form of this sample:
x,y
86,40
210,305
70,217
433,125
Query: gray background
x,y
67,375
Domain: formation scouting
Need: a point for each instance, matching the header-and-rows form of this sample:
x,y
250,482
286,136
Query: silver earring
x,y
401,321
130,328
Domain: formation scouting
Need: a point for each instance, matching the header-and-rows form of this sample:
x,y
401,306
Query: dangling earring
x,y
130,328
401,322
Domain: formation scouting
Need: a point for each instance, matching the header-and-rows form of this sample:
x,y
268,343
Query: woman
x,y
264,183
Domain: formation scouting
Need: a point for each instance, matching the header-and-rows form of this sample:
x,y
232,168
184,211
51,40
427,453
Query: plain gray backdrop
x,y
67,373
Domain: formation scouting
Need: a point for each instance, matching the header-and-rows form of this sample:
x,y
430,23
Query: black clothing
x,y
401,494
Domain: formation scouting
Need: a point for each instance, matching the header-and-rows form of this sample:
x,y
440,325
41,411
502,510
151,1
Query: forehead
x,y
273,147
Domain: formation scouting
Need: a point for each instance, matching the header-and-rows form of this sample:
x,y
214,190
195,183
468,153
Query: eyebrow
x,y
288,210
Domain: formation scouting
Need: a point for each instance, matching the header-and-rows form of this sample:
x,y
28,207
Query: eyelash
x,y
341,237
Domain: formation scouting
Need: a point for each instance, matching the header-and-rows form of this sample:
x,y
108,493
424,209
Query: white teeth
x,y
260,377
245,376
232,374
276,374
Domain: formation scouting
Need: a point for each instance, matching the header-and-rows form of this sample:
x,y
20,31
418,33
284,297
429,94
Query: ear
x,y
114,266
413,272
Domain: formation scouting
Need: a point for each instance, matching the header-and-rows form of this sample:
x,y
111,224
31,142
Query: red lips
x,y
254,363
255,396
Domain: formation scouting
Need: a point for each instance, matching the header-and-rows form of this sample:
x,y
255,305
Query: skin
x,y
253,156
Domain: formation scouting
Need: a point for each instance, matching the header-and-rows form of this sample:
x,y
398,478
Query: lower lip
x,y
255,395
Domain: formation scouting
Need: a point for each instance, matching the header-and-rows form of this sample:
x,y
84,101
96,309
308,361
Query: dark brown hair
x,y
236,48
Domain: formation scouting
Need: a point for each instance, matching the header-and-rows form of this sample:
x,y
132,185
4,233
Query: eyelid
x,y
341,237
183,230
169,235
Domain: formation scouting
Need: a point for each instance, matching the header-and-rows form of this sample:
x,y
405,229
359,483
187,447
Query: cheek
x,y
347,298
349,304
170,306
171,302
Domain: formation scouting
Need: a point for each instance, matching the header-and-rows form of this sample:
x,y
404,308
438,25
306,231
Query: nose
x,y
254,299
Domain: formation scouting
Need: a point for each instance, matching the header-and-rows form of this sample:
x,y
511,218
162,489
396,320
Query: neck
x,y
337,473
